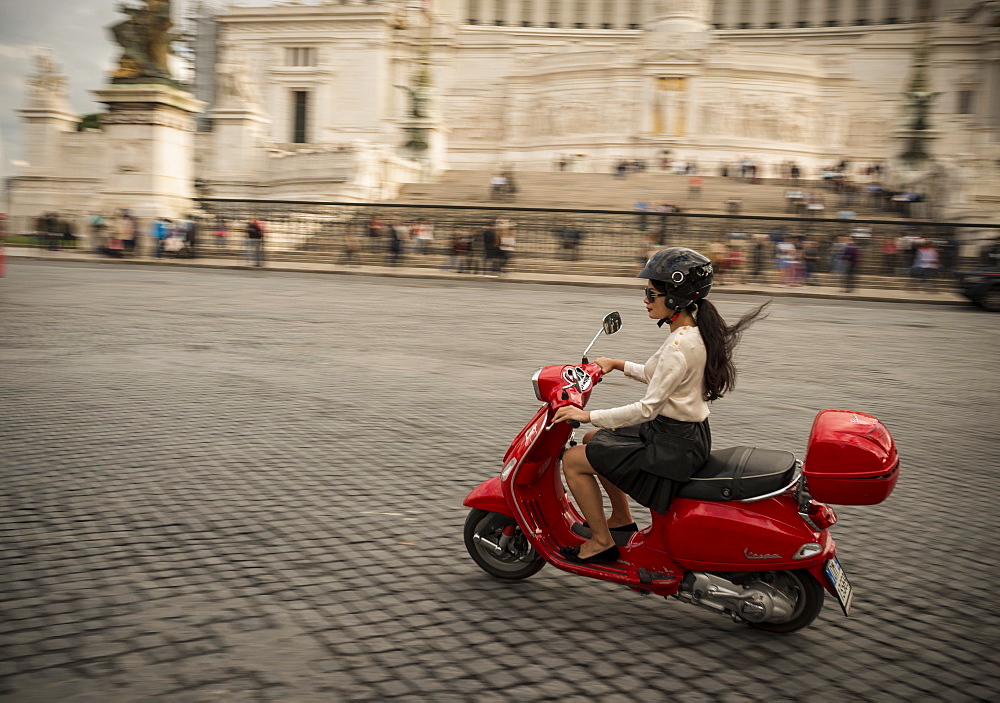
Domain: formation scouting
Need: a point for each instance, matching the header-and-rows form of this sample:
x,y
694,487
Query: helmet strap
x,y
670,320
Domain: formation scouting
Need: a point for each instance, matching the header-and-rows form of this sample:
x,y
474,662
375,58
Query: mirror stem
x,y
599,332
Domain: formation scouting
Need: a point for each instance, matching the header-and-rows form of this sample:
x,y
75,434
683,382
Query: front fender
x,y
488,495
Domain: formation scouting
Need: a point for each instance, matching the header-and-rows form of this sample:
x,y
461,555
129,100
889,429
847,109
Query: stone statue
x,y
47,85
234,83
145,38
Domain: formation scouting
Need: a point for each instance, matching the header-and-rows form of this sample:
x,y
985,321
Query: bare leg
x,y
621,512
580,477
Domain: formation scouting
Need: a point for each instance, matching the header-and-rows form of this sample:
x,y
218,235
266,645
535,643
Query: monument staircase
x,y
605,191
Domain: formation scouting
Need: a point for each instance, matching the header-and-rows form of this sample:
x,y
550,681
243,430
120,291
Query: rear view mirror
x,y
612,322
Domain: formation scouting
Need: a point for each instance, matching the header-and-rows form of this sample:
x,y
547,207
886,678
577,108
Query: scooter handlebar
x,y
572,395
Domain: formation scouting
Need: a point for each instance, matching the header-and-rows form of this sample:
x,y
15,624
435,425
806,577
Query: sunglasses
x,y
651,294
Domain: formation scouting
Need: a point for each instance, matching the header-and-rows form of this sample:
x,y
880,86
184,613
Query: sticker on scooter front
x,y
576,375
841,586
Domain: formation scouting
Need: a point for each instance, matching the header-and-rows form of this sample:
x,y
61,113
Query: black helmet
x,y
686,274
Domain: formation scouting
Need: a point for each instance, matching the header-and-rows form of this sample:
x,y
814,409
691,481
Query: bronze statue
x,y
145,38
919,100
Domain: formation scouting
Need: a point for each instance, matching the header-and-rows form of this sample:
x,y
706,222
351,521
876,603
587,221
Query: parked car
x,y
982,287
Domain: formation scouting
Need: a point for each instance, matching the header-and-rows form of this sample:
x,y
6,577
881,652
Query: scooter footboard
x,y
488,495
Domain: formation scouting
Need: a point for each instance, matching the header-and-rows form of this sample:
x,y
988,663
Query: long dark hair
x,y
720,341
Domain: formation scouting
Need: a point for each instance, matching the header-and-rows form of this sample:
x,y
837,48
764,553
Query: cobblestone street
x,y
247,486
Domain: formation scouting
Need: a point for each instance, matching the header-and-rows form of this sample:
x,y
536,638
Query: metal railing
x,y
599,241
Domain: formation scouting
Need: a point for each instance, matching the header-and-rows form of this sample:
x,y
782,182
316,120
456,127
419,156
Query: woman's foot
x,y
585,554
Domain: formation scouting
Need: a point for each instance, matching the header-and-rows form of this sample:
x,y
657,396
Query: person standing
x,y
926,263
757,256
352,245
851,256
98,226
159,230
718,252
811,258
374,230
507,245
220,233
128,231
423,235
400,235
255,242
189,228
491,251
889,252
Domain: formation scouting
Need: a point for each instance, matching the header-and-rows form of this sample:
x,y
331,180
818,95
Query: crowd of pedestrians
x,y
488,248
485,249
793,260
120,235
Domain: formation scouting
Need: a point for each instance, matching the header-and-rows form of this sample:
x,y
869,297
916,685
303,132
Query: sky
x,y
76,31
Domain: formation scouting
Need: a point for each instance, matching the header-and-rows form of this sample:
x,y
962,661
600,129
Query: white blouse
x,y
675,375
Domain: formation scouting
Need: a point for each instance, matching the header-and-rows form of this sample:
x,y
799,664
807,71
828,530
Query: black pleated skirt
x,y
648,461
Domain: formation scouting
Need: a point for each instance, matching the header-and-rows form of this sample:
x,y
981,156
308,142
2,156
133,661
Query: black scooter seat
x,y
738,473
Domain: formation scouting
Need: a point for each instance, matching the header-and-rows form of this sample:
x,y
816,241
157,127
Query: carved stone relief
x,y
741,114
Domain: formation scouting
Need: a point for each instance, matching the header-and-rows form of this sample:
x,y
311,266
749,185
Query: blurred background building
x,y
349,100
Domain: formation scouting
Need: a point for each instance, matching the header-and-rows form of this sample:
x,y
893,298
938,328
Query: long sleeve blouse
x,y
675,378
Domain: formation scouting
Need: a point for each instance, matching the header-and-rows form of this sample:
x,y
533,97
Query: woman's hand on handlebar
x,y
568,413
608,365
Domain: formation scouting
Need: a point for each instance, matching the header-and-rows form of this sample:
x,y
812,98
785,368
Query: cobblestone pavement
x,y
247,486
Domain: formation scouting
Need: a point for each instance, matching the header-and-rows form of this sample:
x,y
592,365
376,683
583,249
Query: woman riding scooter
x,y
646,448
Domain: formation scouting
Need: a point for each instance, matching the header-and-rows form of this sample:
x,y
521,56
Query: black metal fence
x,y
597,241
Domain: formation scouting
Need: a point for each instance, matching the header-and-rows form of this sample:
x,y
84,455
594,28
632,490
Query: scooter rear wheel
x,y
483,530
808,595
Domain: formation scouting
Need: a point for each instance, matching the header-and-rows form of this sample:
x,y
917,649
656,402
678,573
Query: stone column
x,y
621,14
790,14
817,13
486,13
540,12
567,13
847,13
512,13
593,19
876,12
150,132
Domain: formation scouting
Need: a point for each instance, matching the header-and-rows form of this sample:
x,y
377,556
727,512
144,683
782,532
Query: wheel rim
x,y
795,590
488,531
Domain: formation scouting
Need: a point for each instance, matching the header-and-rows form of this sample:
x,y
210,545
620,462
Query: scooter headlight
x,y
534,383
507,468
809,549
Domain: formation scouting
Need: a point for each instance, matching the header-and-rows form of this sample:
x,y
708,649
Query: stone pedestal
x,y
432,158
237,136
150,133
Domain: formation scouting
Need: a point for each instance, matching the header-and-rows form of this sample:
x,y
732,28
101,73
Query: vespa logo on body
x,y
578,376
750,555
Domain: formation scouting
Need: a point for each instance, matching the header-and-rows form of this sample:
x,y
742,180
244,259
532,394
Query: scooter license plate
x,y
841,586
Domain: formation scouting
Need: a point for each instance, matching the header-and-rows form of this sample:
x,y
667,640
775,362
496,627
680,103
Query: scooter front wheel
x,y
504,556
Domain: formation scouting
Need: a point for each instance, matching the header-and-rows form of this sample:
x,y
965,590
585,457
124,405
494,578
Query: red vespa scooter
x,y
747,536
